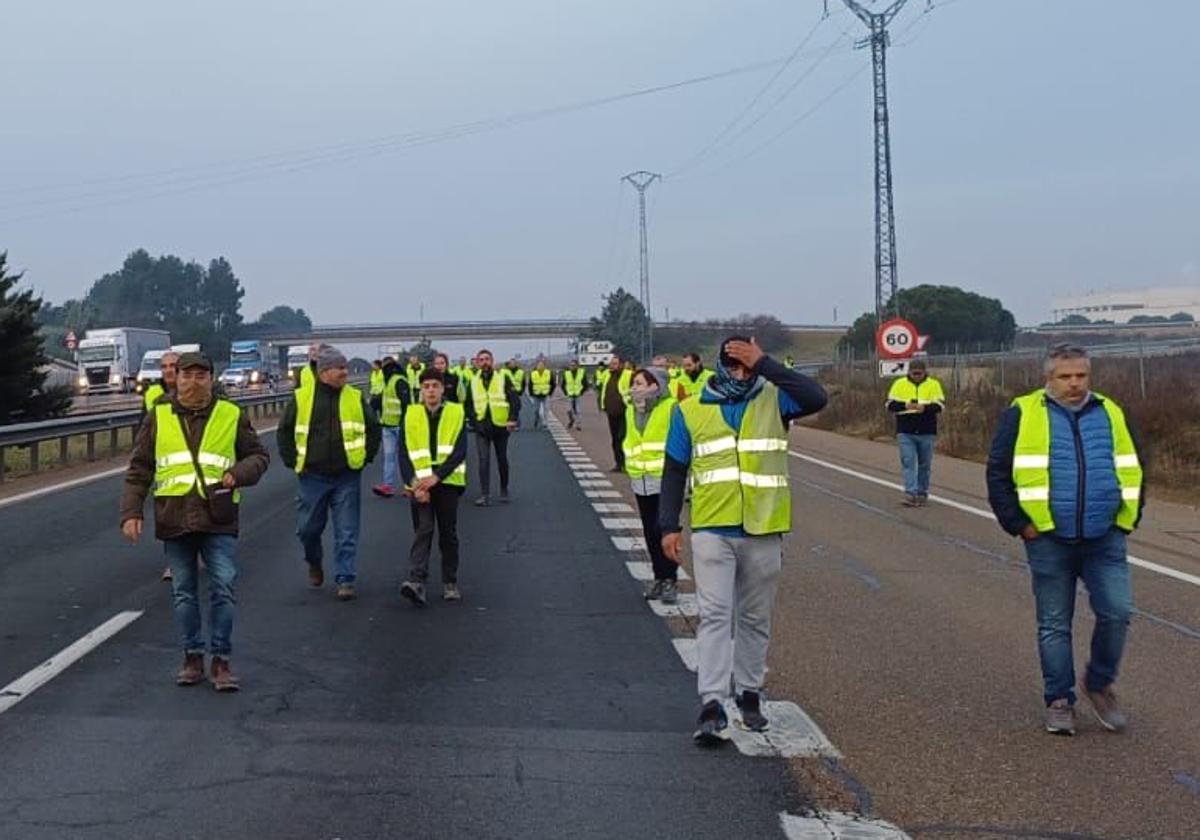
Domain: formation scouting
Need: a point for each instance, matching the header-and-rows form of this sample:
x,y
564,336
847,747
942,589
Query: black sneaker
x,y
504,498
749,704
414,591
712,730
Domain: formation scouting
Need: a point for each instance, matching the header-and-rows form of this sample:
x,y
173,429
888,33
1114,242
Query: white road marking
x,y
601,482
986,514
644,571
686,607
602,494
611,507
685,646
23,686
792,734
78,482
835,825
629,543
621,523
588,475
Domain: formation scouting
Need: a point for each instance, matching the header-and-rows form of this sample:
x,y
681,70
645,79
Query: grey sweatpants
x,y
736,580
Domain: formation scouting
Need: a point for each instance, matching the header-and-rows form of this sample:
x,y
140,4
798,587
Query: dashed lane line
x,y
643,571
835,825
986,514
611,507
595,482
629,543
602,494
23,686
686,607
621,523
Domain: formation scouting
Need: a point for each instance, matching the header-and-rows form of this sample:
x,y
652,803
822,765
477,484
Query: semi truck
x,y
251,362
151,369
108,360
297,357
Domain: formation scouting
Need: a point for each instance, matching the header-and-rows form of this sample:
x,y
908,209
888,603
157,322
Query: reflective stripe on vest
x,y
393,407
740,478
174,472
152,394
494,397
573,381
416,438
350,415
1031,462
646,451
540,381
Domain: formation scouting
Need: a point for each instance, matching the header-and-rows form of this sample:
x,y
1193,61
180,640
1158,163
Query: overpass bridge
x,y
522,328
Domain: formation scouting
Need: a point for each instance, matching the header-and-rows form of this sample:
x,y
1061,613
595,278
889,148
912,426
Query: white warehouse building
x,y
1119,307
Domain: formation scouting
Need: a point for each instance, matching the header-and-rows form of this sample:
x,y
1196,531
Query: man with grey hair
x,y
916,399
1064,475
327,434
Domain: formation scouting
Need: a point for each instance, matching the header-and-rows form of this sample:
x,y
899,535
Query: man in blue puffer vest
x,y
1065,476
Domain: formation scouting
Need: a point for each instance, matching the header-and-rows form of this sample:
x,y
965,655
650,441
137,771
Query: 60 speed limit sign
x,y
896,339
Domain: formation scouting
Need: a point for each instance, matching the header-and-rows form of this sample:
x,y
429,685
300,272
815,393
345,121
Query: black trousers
x,y
441,511
497,438
664,569
616,429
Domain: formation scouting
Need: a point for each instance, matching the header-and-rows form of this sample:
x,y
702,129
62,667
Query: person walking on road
x,y
647,421
197,452
433,461
1064,475
328,434
574,383
541,386
731,443
493,409
393,402
612,387
916,399
691,381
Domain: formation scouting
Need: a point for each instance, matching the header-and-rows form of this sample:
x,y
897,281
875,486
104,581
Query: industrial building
x,y
1120,307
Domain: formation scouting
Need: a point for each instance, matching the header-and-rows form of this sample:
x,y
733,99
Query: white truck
x,y
151,370
297,357
109,359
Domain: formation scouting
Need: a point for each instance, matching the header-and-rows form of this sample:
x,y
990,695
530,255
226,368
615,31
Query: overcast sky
x,y
1040,148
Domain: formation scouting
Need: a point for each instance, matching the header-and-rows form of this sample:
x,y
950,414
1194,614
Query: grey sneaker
x,y
414,591
483,501
655,591
670,592
910,500
450,592
1107,710
1060,717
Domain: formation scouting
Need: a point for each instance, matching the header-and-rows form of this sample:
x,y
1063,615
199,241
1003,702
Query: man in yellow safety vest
x,y
916,399
493,408
541,386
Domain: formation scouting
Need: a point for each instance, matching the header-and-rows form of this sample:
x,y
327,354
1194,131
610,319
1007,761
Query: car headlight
x,y
254,376
115,379
82,381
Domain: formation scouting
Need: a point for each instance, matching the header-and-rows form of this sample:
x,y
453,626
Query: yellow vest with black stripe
x,y
1031,461
152,394
350,414
540,382
740,478
174,470
416,439
646,451
392,409
493,398
574,381
926,392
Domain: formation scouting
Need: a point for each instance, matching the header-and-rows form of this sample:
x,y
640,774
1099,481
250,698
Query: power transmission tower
x,y
887,284
641,181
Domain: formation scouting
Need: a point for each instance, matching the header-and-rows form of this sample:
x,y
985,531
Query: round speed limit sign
x,y
896,339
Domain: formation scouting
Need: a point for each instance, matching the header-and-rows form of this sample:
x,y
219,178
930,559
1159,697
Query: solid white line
x,y
77,482
986,514
23,686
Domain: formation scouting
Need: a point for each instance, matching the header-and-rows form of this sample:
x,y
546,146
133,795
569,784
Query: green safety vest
x,y
152,394
692,388
1031,461
646,451
740,477
174,470
377,382
540,382
416,439
574,381
518,378
494,398
392,409
927,392
354,425
414,379
623,384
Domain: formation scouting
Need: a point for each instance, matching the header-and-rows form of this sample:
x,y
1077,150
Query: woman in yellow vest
x,y
433,463
647,421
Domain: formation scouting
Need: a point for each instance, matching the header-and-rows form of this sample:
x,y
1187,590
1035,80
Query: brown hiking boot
x,y
1107,709
222,678
192,670
316,576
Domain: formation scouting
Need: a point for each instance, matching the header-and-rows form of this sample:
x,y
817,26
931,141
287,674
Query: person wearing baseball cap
x,y
197,451
916,399
731,444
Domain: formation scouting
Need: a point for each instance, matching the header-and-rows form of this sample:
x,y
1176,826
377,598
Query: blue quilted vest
x,y
1084,492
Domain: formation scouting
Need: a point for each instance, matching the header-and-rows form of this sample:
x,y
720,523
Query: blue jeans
x,y
539,412
220,557
318,495
1055,567
391,459
916,459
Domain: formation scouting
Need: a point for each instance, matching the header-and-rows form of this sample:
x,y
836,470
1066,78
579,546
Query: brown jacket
x,y
175,516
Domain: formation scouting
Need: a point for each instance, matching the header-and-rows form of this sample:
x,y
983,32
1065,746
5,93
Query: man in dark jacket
x,y
612,386
493,409
197,452
1064,475
328,434
916,399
